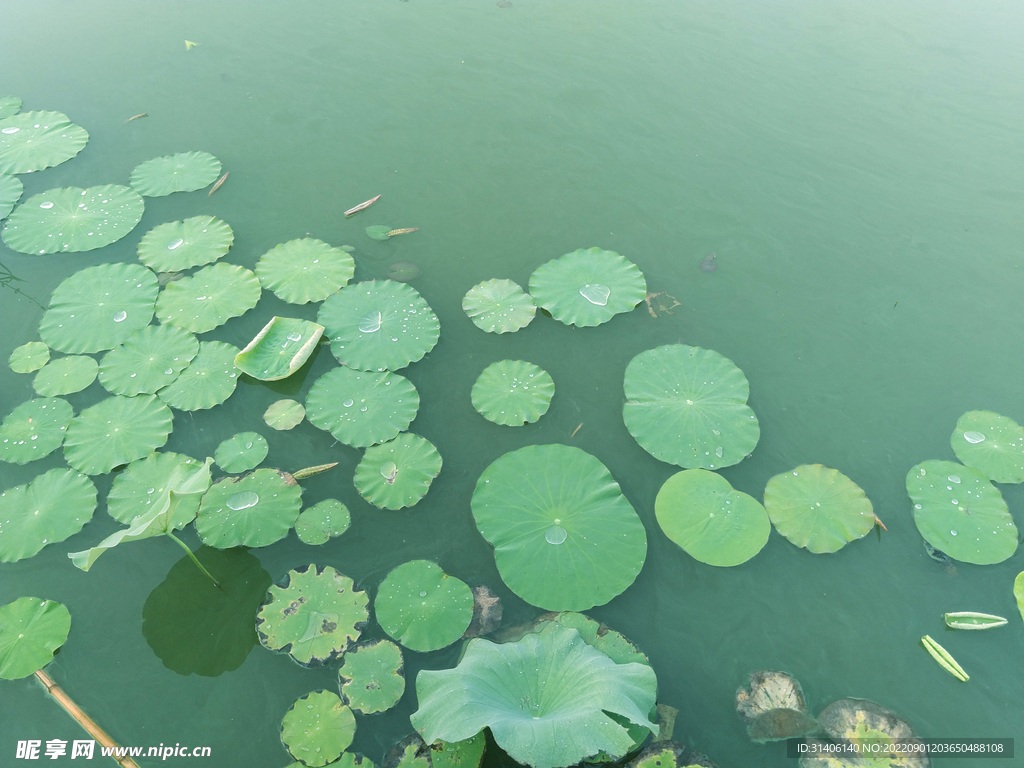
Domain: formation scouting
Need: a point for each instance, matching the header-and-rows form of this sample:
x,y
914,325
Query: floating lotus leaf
x,y
209,298
318,728
183,172
99,307
29,357
588,287
973,621
403,271
422,607
322,521
379,325
664,754
1018,592
313,616
241,452
48,510
398,473
372,676
145,481
185,244
34,429
362,408
688,406
32,141
251,511
280,349
9,105
773,708
31,630
958,511
10,193
116,431
468,753
65,375
378,231
499,306
284,415
148,360
513,392
991,444
410,752
347,760
209,380
850,722
305,270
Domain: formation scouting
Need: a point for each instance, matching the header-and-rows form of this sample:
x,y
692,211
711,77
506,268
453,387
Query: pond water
x,y
856,170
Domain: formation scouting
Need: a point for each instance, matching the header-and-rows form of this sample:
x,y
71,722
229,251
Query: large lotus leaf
x,y
183,172
313,616
149,360
372,676
31,630
284,414
588,287
958,511
713,523
31,141
209,298
773,707
991,444
548,699
34,429
362,408
209,380
318,728
65,376
116,431
513,392
499,306
322,521
688,406
379,325
9,105
398,473
251,511
145,482
51,508
185,244
850,722
305,270
422,607
29,357
280,349
241,452
564,536
10,193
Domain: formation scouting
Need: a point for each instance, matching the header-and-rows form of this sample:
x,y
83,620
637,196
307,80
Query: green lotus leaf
x,y
209,380
147,361
183,172
688,406
403,271
468,753
318,728
29,357
31,630
251,511
773,707
422,607
147,481
322,521
209,298
499,306
1018,592
378,231
564,536
379,325
241,452
99,307
116,431
280,349
284,414
362,408
347,760
34,429
313,616
65,376
398,473
180,245
588,287
11,188
9,105
548,699
372,676
991,444
513,392
664,754
304,270
609,642
48,510
853,721
32,141
959,512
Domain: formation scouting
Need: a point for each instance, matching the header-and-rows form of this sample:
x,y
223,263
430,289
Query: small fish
x,y
220,181
576,430
405,231
708,265
136,117
362,206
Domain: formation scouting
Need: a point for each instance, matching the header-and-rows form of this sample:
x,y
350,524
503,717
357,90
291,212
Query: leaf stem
x,y
188,551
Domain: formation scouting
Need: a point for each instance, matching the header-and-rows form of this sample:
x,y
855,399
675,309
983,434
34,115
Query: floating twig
x,y
575,431
220,181
362,206
136,117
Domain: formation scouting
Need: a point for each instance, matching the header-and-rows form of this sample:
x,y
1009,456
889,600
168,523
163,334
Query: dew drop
x,y
370,322
974,437
555,534
718,451
11,130
174,244
952,533
596,293
294,336
348,403
423,593
120,316
46,205
243,500
953,479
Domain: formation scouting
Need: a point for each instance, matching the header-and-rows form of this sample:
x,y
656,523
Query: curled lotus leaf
x,y
991,444
65,376
116,431
183,172
588,287
1018,592
318,728
280,349
47,510
773,707
397,473
284,414
848,722
499,306
11,188
148,360
32,141
372,676
241,452
209,379
209,298
305,270
179,245
250,511
146,481
362,408
29,357
323,521
9,105
34,429
513,392
422,607
31,630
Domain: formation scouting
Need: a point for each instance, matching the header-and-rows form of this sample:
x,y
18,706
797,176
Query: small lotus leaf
x,y
11,188
116,431
48,510
664,754
32,141
513,392
31,630
183,172
773,707
280,349
209,380
422,607
850,722
185,244
398,473
588,287
378,231
318,728
145,481
362,408
29,357
209,298
322,521
499,306
65,376
251,511
284,414
148,360
991,444
34,429
403,271
410,752
372,676
241,452
305,270
1018,592
9,105
468,753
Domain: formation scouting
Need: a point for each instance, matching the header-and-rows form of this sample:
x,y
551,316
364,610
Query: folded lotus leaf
x,y
499,306
398,473
116,431
251,511
241,452
588,287
180,245
11,188
34,429
305,270
372,676
48,510
991,444
183,172
280,349
422,607
148,360
284,414
209,298
852,722
323,521
65,376
31,630
145,482
209,380
29,357
318,728
362,408
512,392
32,141
9,105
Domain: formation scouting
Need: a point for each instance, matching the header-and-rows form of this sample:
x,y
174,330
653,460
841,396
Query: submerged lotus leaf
x,y
32,141
34,429
209,298
499,306
379,325
284,414
148,360
322,521
688,406
183,172
241,452
9,105
304,270
422,607
145,481
65,376
773,707
31,630
403,271
372,676
313,616
362,408
959,512
251,511
378,231
318,728
991,444
185,244
564,536
280,349
209,380
588,287
29,357
513,392
11,188
116,431
853,721
398,473
49,509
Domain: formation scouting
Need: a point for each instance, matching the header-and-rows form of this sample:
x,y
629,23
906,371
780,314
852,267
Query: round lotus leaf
x,y
398,473
499,306
322,521
65,375
251,511
145,480
362,408
588,287
713,523
280,349
773,707
116,431
372,676
29,357
513,392
422,607
99,307
209,380
31,141
209,298
34,429
304,270
313,616
688,406
318,728
31,630
564,536
241,452
284,415
403,271
183,172
378,231
10,193
379,325
991,444
148,360
9,105
851,723
48,510
185,244
959,512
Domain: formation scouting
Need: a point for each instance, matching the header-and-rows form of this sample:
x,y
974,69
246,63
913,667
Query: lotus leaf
x,y
362,408
322,521
513,392
347,760
958,511
280,349
849,721
31,630
29,357
372,676
9,105
251,511
378,231
10,193
973,621
209,298
609,642
183,172
499,306
422,607
318,728
1018,592
379,325
147,361
468,753
564,536
65,376
991,444
773,708
403,271
241,452
209,380
410,752
398,473
185,244
313,616
99,307
301,271
146,481
664,754
48,510
32,141
116,431
283,415
588,287
34,429
688,406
